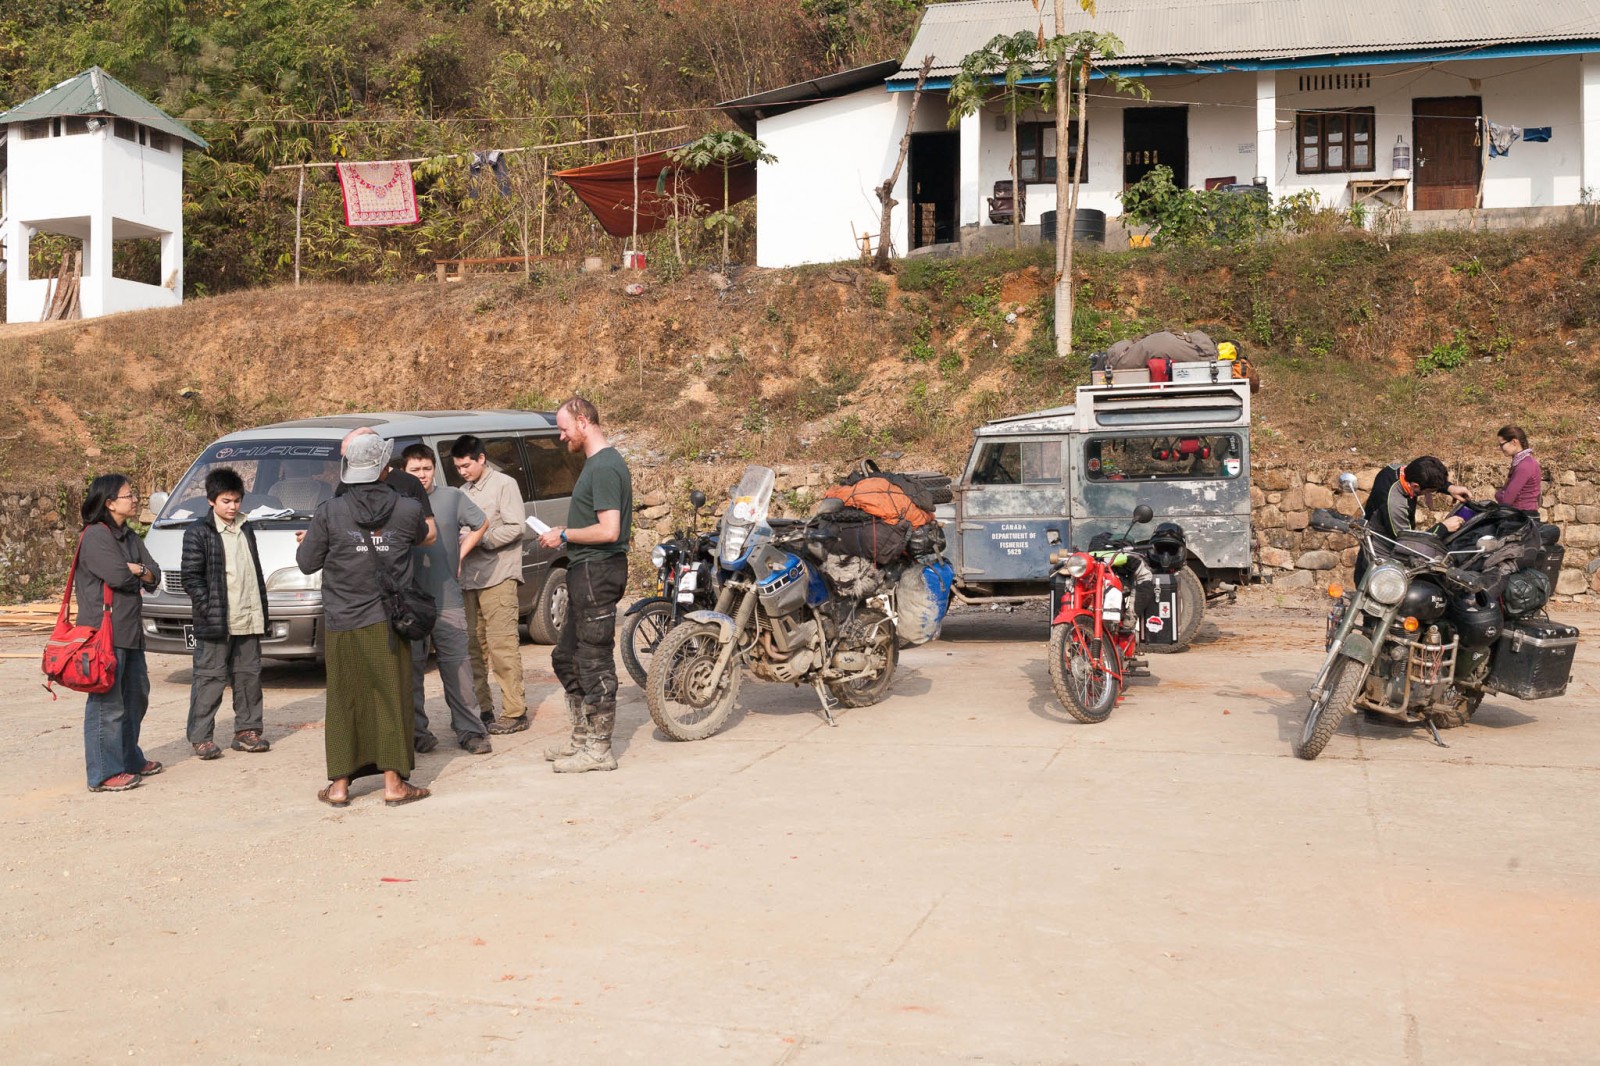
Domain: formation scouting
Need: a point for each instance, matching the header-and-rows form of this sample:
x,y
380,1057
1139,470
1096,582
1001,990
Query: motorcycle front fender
x,y
723,623
646,601
1356,646
1068,613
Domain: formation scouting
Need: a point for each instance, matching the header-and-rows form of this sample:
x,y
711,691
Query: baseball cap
x,y
364,459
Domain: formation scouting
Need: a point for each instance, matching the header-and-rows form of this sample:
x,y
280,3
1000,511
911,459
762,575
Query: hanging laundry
x,y
495,160
1501,138
1536,133
378,194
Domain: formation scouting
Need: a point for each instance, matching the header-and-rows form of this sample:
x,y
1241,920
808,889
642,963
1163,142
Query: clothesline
x,y
505,151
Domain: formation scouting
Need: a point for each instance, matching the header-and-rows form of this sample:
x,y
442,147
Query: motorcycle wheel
x,y
641,633
1191,608
883,642
685,700
1323,719
1086,684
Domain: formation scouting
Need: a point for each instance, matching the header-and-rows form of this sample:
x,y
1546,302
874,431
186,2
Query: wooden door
x,y
1449,154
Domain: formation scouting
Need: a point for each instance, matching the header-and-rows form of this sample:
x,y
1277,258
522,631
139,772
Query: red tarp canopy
x,y
608,190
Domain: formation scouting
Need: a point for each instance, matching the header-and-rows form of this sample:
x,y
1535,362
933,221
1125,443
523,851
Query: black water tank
x,y
1088,225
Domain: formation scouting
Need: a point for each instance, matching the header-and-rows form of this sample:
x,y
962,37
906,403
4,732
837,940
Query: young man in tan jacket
x,y
490,576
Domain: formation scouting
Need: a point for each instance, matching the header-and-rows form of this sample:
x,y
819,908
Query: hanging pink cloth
x,y
378,194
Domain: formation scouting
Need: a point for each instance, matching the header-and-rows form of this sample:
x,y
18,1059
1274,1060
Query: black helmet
x,y
1167,547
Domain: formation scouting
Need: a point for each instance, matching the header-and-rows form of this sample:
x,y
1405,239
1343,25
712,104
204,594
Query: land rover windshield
x,y
284,480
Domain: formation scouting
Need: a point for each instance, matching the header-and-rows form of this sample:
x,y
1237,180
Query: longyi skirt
x,y
370,717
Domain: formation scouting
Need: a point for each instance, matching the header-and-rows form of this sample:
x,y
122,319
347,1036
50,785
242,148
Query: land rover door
x,y
1011,510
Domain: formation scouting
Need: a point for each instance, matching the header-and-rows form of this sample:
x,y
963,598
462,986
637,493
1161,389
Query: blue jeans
x,y
111,720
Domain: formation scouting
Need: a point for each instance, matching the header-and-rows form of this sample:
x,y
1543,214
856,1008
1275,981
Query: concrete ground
x,y
961,874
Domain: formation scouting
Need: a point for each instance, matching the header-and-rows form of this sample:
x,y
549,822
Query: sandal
x,y
118,783
151,769
413,794
322,794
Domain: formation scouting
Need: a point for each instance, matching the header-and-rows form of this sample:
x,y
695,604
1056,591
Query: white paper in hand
x,y
537,526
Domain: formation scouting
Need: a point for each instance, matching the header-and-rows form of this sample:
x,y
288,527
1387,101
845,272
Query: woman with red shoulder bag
x,y
111,555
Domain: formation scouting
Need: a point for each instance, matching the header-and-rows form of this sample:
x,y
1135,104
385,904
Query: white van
x,y
294,467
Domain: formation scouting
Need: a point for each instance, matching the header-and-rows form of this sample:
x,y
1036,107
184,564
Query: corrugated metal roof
x,y
747,109
1206,31
94,92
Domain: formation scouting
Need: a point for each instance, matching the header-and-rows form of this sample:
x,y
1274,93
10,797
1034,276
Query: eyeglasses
x,y
127,496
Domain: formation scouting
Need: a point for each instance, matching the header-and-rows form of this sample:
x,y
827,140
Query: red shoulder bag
x,y
81,658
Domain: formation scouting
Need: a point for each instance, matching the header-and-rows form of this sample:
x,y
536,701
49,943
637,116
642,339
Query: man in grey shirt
x,y
461,524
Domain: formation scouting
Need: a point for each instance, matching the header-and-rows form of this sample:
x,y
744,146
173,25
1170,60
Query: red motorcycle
x,y
1108,602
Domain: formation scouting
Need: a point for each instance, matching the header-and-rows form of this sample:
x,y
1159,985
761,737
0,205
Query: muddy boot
x,y
595,754
574,743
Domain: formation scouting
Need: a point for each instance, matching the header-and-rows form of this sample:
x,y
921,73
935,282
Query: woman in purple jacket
x,y
1521,489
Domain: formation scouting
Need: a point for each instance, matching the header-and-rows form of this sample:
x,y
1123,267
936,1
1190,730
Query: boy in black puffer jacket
x,y
222,575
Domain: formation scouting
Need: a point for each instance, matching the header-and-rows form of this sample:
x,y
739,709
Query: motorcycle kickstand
x,y
827,703
1435,731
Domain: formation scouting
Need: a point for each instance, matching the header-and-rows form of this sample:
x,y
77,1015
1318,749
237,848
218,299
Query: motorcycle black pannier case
x,y
1161,623
1534,659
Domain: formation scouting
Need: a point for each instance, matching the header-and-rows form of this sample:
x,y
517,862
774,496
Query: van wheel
x,y
549,609
1191,612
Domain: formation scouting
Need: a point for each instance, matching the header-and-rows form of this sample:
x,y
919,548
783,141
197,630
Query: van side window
x,y
1167,457
555,469
502,452
1029,462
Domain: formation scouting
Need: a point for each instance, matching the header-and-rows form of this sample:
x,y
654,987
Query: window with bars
x,y
1330,142
1036,151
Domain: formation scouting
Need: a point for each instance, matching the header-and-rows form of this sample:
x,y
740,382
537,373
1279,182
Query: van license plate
x,y
188,637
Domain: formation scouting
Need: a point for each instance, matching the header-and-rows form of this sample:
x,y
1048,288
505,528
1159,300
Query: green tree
x,y
1071,58
725,149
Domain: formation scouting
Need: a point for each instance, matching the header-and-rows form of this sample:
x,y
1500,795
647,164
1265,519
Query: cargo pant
x,y
232,661
584,658
492,627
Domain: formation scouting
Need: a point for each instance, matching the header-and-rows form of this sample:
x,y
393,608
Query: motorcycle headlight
x,y
1077,566
1387,585
733,542
658,556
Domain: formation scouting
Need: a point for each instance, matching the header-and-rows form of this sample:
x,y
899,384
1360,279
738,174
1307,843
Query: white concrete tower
x,y
94,160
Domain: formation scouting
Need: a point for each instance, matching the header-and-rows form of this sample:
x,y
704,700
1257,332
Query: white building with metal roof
x,y
1400,106
92,161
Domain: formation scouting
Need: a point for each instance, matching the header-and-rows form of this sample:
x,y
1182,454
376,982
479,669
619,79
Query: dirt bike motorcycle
x,y
777,615
1439,621
686,580
1107,605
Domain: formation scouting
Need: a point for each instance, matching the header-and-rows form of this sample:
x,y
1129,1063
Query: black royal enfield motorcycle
x,y
1440,621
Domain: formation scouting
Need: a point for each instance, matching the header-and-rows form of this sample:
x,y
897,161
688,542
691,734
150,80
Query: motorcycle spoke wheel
x,y
882,645
1323,719
686,698
1085,671
641,634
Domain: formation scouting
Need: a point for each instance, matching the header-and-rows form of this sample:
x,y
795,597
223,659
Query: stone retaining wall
x,y
34,549
1295,556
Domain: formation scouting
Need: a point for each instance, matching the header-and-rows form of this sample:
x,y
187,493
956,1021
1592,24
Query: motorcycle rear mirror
x,y
1142,514
1347,481
697,499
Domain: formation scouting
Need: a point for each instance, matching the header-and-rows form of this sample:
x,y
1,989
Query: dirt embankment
x,y
1370,350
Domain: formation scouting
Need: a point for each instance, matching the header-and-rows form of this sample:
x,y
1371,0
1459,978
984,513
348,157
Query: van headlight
x,y
291,586
1387,585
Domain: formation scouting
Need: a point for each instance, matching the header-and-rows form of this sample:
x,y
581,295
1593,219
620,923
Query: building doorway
x,y
1152,137
1449,156
935,181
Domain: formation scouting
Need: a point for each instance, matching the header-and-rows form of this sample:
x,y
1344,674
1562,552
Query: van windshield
x,y
283,479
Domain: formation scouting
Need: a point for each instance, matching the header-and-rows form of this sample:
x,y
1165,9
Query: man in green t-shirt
x,y
600,519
